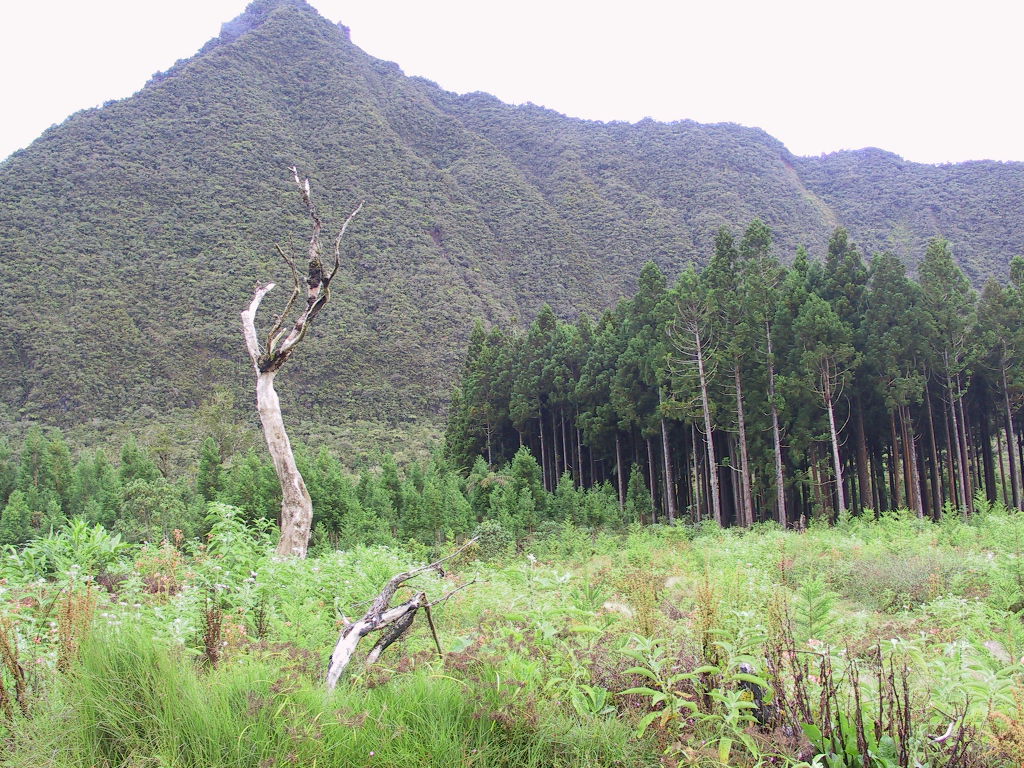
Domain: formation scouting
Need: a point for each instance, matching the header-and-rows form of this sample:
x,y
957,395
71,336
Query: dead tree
x,y
296,506
393,620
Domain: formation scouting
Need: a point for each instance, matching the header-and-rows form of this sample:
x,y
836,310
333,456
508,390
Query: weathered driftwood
x,y
394,620
296,505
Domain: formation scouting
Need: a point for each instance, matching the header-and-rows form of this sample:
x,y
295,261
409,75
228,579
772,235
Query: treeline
x,y
141,497
752,391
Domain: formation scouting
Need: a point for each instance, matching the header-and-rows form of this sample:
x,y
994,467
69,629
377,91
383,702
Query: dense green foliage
x,y
131,235
671,646
44,489
750,391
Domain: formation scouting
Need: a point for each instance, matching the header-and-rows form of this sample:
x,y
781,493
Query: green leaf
x,y
645,721
707,669
813,734
748,678
643,690
724,748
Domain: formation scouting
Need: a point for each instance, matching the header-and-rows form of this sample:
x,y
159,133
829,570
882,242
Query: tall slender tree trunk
x,y
695,477
652,480
895,490
557,451
1003,485
961,458
936,468
837,462
670,483
543,452
716,504
593,467
908,479
780,479
579,452
1020,455
746,499
915,475
734,480
863,475
1011,441
618,470
987,460
296,504
967,468
873,503
816,485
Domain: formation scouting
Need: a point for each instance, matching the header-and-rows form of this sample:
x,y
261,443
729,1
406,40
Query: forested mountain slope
x,y
132,235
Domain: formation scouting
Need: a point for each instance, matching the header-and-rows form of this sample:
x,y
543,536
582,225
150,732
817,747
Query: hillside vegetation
x,y
131,235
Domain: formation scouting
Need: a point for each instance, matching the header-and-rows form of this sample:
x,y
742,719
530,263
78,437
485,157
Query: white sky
x,y
931,80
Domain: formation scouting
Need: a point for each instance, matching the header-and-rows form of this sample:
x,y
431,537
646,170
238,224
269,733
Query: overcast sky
x,y
932,81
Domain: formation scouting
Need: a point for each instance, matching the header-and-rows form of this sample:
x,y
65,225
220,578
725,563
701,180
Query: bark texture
x,y
393,620
296,505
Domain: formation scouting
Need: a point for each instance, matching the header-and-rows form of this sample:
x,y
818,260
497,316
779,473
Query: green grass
x,y
133,702
538,650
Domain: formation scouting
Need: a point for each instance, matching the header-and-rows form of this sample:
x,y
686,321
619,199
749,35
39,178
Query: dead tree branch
x,y
281,340
394,620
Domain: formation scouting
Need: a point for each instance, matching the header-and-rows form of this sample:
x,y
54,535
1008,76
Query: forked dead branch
x,y
281,340
394,620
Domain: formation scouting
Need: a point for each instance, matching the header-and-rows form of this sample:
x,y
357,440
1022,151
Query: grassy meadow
x,y
877,642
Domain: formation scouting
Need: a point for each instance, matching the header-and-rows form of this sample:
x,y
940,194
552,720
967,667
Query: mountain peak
x,y
254,16
474,209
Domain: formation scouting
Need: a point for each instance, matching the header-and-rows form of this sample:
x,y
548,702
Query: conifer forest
x,y
749,391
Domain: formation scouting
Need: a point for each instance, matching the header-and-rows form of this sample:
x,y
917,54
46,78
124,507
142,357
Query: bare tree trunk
x,y
618,470
296,506
1002,469
780,480
915,475
670,483
652,481
746,500
695,477
566,445
953,482
965,450
863,476
936,468
579,453
716,504
556,453
816,481
1011,440
837,462
987,459
894,464
543,455
961,459
593,466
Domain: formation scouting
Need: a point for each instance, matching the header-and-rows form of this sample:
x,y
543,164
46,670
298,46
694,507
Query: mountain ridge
x,y
145,223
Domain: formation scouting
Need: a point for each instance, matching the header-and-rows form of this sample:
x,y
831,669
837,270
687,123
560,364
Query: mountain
x,y
132,235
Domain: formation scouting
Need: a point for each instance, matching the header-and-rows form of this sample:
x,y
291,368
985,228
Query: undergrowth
x,y
878,642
